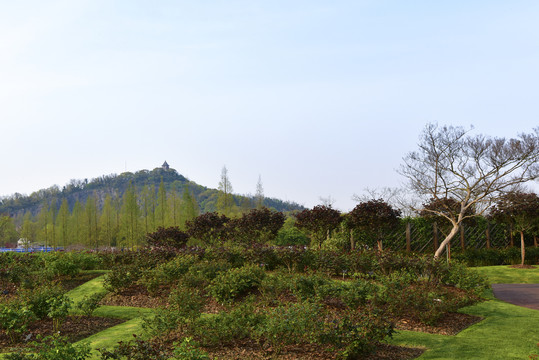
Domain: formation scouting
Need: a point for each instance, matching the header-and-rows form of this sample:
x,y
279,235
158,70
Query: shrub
x,y
226,327
63,265
356,333
39,299
136,349
166,273
202,273
307,286
291,236
188,350
53,348
187,303
121,277
294,323
58,310
14,320
236,282
90,303
167,237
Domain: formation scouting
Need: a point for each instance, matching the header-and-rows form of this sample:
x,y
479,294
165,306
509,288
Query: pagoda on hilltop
x,y
165,166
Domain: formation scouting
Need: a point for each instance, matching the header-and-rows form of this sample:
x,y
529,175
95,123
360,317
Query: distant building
x,y
165,166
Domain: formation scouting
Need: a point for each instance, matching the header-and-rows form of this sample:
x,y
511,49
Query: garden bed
x,y
75,328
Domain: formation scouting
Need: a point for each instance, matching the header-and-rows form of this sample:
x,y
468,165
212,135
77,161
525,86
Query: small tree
x,y
319,222
208,228
521,210
473,170
260,225
375,218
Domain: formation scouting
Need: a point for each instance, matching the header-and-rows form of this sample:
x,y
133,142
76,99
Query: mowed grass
x,y
507,331
507,275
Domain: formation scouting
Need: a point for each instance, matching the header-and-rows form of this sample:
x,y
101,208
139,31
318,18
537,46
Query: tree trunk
x,y
352,241
522,247
448,238
535,240
462,246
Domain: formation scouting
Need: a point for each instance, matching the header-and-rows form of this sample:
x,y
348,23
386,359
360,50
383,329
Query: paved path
x,y
526,295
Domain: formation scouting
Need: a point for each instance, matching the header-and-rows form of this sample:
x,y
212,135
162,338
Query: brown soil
x,y
136,296
522,266
247,350
450,324
75,328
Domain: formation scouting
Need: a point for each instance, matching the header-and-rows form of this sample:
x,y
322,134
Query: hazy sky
x,y
319,98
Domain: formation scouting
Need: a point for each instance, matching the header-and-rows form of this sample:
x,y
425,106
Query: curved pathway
x,y
526,295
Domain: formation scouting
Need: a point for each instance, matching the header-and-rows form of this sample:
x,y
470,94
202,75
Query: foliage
x,y
167,237
259,225
42,299
208,228
53,348
472,170
58,310
229,285
291,236
90,303
136,349
225,327
14,319
319,221
375,218
188,350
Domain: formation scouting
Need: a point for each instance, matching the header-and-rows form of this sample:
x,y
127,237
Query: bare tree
x,y
473,170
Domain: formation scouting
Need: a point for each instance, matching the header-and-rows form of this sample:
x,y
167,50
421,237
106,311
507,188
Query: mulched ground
x,y
246,350
75,328
450,324
135,295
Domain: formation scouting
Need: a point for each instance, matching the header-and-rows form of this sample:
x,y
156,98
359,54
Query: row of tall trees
x,y
112,221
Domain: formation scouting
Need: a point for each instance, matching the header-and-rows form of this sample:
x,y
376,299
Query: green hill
x,y
115,185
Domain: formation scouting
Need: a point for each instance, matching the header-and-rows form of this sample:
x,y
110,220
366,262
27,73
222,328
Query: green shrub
x,y
291,236
90,303
188,350
306,286
226,327
187,302
356,333
121,277
14,320
53,348
202,273
136,349
39,299
229,285
63,264
293,323
58,310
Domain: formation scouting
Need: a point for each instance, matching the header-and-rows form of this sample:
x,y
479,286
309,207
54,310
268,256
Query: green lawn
x,y
507,331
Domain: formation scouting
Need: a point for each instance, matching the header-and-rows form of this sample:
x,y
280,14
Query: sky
x,y
321,99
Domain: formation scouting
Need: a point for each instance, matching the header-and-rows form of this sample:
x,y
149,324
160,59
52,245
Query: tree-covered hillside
x,y
115,185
